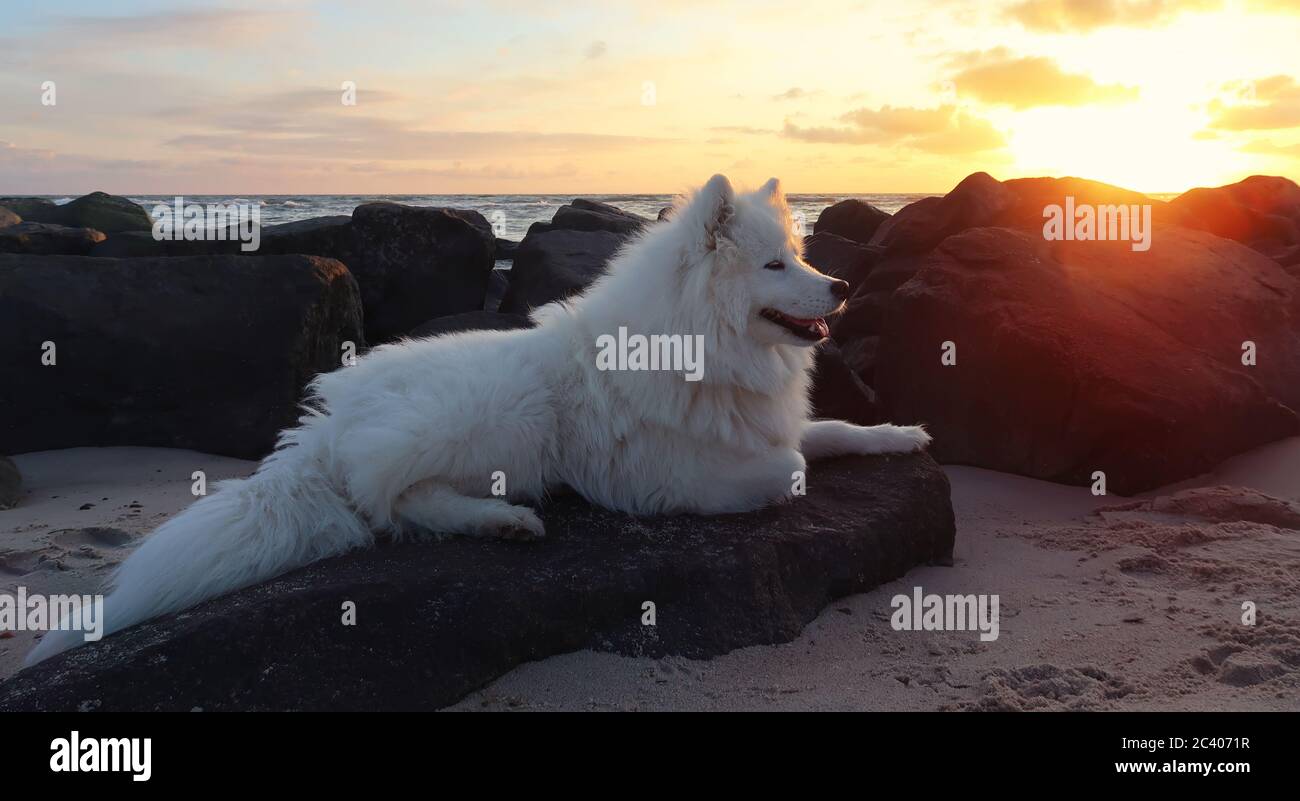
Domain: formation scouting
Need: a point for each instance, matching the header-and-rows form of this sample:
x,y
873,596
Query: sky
x,y
604,96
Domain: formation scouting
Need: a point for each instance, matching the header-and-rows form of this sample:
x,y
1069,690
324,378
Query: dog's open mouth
x,y
812,330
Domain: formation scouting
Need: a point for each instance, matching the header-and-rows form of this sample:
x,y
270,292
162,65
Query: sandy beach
x,y
1102,606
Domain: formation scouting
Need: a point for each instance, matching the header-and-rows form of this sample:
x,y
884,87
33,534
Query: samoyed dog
x,y
455,433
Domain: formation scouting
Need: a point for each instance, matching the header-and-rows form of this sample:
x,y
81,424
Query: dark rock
x,y
11,483
505,249
141,244
664,213
863,315
436,621
890,274
32,209
417,263
498,285
1289,258
838,393
318,236
1081,356
103,212
851,219
1262,212
411,263
978,200
209,353
982,201
860,355
8,218
1033,195
47,239
843,258
132,245
553,265
589,215
470,321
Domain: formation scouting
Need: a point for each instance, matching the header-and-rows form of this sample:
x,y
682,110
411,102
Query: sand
x,y
1105,602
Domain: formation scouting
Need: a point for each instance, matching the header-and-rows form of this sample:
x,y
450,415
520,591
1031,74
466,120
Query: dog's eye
x,y
774,265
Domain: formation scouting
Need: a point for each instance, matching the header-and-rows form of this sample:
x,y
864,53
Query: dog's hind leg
x,y
823,439
437,507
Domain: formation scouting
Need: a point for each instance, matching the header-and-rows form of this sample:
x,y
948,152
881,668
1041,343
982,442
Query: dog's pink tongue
x,y
822,330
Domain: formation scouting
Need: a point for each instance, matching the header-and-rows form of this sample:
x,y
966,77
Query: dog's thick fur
x,y
409,439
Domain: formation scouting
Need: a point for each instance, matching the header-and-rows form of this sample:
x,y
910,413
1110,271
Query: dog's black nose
x,y
840,289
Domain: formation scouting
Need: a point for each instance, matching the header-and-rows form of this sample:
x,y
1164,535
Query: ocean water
x,y
511,213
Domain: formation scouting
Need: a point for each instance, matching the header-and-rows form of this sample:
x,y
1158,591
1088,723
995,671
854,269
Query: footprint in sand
x,y
95,537
1250,655
1048,686
16,564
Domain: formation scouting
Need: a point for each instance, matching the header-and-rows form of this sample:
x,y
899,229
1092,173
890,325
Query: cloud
x,y
748,130
386,140
944,130
202,29
794,93
596,50
997,76
1078,16
1267,148
1266,104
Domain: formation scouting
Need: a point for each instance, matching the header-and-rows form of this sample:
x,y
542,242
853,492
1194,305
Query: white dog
x,y
450,434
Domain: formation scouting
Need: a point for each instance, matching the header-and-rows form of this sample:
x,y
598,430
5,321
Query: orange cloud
x,y
1070,16
944,129
1029,81
1266,104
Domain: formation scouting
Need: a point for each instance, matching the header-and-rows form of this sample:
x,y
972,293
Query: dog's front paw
x,y
909,439
517,524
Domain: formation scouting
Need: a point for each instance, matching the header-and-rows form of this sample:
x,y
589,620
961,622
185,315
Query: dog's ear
x,y
712,208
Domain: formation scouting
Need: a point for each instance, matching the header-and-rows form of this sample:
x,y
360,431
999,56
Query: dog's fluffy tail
x,y
285,515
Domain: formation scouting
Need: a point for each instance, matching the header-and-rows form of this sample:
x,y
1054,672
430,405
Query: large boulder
x,y
852,219
314,237
838,393
843,258
141,244
1074,357
209,353
591,215
11,483
412,263
1031,197
1262,212
435,621
982,201
103,212
863,315
318,236
505,249
553,265
32,209
978,200
49,240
